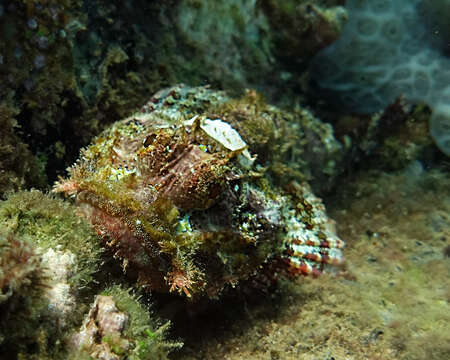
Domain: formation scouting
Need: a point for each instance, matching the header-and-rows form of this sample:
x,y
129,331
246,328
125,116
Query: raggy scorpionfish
x,y
187,204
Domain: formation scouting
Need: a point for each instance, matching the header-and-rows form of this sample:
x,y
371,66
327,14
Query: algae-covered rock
x,y
22,302
18,167
118,326
302,27
48,258
52,227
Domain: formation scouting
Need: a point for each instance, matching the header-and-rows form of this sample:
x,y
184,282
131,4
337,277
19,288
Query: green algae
x,y
35,227
22,284
19,168
149,335
49,223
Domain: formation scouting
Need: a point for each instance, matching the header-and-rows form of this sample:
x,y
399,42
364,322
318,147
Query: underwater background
x,y
239,179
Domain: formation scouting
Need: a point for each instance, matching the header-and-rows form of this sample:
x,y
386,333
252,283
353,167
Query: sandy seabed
x,y
390,302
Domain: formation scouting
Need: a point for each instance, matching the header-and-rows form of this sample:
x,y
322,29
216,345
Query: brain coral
x,y
388,49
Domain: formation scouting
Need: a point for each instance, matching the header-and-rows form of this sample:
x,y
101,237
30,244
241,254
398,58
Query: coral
x,y
386,50
119,327
178,197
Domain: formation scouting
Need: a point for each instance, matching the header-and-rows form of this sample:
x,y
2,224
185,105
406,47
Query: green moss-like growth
x,y
21,285
43,240
18,167
147,335
38,77
50,223
26,324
